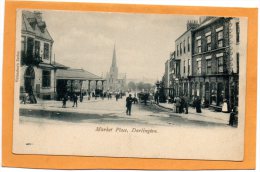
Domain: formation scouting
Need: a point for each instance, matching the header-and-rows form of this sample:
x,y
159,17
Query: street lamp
x,y
157,85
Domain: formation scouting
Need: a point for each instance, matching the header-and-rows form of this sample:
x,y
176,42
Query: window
x,y
180,48
23,44
237,32
208,64
46,78
184,51
184,66
46,51
188,44
199,66
208,42
177,50
199,45
237,62
220,64
220,39
37,49
189,65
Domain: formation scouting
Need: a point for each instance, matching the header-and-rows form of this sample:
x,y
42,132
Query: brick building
x,y
212,72
206,61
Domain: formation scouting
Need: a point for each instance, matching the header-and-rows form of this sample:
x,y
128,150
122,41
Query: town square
x,y
93,83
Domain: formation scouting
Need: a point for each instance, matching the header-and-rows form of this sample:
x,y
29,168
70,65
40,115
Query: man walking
x,y
129,101
75,100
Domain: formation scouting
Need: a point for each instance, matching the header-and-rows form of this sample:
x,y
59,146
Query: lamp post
x,y
157,85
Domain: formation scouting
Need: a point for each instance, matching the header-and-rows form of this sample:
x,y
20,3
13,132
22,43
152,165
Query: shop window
x,y
46,78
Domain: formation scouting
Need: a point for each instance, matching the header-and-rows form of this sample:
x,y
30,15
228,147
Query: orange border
x,y
76,162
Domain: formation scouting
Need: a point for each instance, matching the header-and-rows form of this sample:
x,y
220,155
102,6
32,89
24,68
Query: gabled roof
x,y
76,74
27,17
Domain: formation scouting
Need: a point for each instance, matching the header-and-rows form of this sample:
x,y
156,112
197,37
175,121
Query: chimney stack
x,y
192,24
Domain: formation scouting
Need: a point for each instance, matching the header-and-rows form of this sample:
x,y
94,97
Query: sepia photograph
x,y
112,84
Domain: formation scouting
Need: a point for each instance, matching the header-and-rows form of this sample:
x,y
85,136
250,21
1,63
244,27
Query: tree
x,y
131,85
140,86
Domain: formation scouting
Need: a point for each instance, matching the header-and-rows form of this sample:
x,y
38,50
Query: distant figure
x,y
135,100
117,96
177,104
233,117
24,98
75,100
225,106
129,101
64,100
186,104
81,97
198,104
156,97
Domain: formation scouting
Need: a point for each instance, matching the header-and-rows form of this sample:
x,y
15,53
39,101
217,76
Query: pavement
x,y
207,115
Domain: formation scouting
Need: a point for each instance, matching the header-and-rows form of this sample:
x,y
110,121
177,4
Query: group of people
x,y
74,98
182,104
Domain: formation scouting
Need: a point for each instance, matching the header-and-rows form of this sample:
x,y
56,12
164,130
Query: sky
x,y
143,41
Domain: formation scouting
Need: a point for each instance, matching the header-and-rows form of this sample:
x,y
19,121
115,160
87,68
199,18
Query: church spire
x,y
114,56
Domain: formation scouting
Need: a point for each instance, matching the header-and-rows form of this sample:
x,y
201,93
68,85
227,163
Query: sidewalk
x,y
206,115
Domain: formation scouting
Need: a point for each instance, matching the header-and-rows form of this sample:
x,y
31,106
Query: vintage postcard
x,y
130,85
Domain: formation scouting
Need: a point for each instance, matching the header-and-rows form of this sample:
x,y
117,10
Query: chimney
x,y
38,16
192,24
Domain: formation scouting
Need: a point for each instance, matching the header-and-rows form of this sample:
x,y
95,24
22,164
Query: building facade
x,y
214,66
114,81
36,71
183,60
206,62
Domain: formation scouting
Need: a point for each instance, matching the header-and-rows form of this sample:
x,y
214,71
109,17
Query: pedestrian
x,y
156,97
129,101
117,96
186,104
75,100
225,106
177,104
81,97
64,100
24,97
182,106
198,104
233,117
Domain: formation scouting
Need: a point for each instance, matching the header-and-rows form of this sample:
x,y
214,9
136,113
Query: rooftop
x,y
32,22
76,74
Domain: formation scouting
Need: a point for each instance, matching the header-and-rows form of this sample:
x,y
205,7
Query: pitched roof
x,y
76,74
37,30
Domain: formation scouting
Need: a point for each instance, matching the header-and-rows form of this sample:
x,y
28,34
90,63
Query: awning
x,y
76,74
46,65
